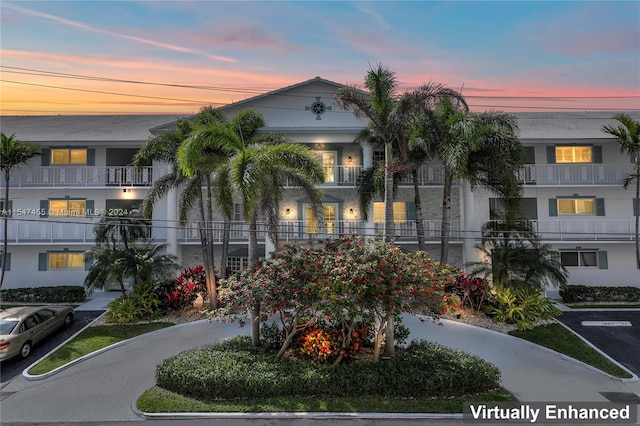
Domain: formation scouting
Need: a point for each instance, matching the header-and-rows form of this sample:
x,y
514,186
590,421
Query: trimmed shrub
x,y
583,293
236,370
136,307
50,295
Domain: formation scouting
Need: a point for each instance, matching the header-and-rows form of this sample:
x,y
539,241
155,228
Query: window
x,y
574,154
378,156
329,220
579,258
576,206
66,260
67,207
45,314
237,264
69,156
399,212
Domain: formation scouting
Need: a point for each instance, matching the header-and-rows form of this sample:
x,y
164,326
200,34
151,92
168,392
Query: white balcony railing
x,y
574,174
428,175
85,176
585,229
77,230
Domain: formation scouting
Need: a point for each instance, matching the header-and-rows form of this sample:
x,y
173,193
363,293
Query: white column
x,y
172,223
468,224
367,162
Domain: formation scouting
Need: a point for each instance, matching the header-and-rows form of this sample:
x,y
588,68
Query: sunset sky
x,y
66,57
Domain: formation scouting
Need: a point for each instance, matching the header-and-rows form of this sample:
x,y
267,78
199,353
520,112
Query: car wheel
x,y
25,350
68,320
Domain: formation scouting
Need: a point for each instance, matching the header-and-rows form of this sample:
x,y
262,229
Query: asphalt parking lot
x,y
11,368
620,343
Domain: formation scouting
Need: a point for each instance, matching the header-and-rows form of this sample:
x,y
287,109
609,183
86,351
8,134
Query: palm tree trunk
x,y
252,255
419,219
213,292
226,235
446,217
5,219
206,258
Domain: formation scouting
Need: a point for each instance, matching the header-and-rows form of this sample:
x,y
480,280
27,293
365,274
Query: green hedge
x,y
583,293
60,294
235,370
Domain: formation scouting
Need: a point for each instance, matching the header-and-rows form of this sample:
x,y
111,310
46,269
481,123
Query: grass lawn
x,y
158,400
91,340
604,305
558,338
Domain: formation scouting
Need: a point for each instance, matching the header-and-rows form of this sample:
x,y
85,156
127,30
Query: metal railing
x,y
573,174
85,176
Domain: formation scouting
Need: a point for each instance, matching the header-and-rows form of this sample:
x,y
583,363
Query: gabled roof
x,y
171,125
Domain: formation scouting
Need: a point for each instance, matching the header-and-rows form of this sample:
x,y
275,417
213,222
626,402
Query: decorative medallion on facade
x,y
318,108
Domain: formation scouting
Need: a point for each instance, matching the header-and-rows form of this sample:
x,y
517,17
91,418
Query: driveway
x,y
13,367
620,343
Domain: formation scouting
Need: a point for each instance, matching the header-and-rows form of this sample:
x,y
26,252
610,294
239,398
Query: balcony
x,y
585,230
428,175
297,230
85,176
574,174
79,230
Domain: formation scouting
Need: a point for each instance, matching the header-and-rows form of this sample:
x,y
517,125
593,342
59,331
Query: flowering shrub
x,y
182,292
345,279
322,345
471,291
451,304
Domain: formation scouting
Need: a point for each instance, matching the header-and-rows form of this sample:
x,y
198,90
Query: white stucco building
x,y
573,189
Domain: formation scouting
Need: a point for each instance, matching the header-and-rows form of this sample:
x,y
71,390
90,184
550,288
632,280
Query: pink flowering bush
x,y
354,283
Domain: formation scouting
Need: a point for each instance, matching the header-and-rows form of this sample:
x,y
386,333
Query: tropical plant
x,y
253,167
628,135
139,306
142,266
163,147
13,153
522,306
481,148
516,256
180,293
123,229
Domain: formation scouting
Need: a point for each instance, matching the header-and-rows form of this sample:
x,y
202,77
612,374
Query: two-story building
x,y
573,190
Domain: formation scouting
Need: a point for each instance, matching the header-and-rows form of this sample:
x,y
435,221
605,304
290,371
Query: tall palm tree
x,y
13,153
482,148
163,148
628,134
378,106
252,167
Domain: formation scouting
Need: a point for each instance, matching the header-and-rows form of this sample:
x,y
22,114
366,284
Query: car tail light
x,y
4,345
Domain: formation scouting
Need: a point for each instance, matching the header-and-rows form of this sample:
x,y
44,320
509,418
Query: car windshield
x,y
6,325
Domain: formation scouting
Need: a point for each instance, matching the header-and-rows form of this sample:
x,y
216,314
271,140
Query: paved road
x,y
620,343
13,367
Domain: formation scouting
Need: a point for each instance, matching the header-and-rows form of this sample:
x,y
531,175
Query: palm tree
x,y
517,257
252,167
378,107
13,153
482,148
628,134
124,229
163,147
141,265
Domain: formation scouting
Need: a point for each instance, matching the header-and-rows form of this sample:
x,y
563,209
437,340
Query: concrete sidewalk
x,y
98,300
105,386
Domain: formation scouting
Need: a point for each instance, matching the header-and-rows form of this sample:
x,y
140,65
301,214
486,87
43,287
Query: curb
x,y
31,377
633,379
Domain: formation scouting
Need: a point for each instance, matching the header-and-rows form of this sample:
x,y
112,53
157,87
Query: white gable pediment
x,y
304,107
